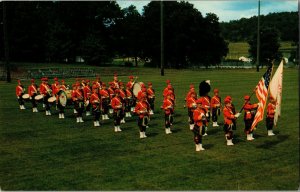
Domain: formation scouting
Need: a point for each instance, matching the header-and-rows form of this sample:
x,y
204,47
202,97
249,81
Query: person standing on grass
x,y
191,105
168,107
96,104
32,91
105,101
117,106
151,97
87,92
20,90
142,109
229,118
215,107
78,99
46,91
249,114
271,110
58,104
200,120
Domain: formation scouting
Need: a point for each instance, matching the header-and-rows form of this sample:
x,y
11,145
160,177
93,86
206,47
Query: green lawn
x,y
41,152
239,49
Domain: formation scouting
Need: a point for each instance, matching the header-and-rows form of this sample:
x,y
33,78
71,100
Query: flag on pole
x,y
262,95
276,90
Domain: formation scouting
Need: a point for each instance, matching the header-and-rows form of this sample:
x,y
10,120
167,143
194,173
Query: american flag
x,y
262,94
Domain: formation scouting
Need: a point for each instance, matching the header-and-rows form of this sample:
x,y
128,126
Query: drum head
x,y
52,99
136,88
39,97
86,103
62,97
25,96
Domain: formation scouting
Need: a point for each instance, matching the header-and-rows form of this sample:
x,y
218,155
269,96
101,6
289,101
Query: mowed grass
x,y
41,152
239,49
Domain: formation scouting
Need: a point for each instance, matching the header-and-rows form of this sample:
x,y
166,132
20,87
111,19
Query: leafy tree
x,y
269,45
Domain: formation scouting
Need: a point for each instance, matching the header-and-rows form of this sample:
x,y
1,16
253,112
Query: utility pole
x,y
5,37
162,72
258,39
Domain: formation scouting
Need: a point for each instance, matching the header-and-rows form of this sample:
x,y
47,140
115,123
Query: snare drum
x,y
39,97
137,87
52,99
25,96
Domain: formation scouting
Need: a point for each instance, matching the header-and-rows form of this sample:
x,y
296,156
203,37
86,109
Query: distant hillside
x,y
241,30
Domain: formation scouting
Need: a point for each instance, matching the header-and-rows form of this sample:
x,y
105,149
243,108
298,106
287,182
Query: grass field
x,y
41,152
238,49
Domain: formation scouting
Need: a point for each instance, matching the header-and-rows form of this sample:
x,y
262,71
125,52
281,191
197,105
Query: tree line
x,y
98,31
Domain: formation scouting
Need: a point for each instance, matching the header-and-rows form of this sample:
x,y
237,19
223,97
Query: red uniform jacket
x,y
150,93
77,95
206,103
271,110
189,95
228,115
95,100
87,92
63,87
55,88
116,85
104,93
199,117
248,108
128,93
19,90
122,94
116,103
130,84
215,102
191,103
168,106
111,92
44,89
32,89
142,108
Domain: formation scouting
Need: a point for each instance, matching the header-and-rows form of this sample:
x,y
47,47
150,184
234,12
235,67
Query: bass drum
x,y
137,87
64,97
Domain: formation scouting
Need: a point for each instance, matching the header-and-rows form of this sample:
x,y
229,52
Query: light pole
x,y
162,72
258,39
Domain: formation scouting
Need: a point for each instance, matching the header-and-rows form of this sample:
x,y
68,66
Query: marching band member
x,y
271,110
123,96
111,92
117,105
250,111
129,100
55,87
130,82
142,110
192,105
215,105
87,93
32,91
74,88
61,114
116,83
168,107
105,101
19,93
97,83
229,118
204,89
199,124
96,103
141,92
78,99
46,92
151,97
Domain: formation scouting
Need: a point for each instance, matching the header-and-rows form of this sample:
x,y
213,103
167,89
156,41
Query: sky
x,y
228,10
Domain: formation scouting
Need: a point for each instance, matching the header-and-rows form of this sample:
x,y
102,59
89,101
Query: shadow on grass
x,y
270,144
208,146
